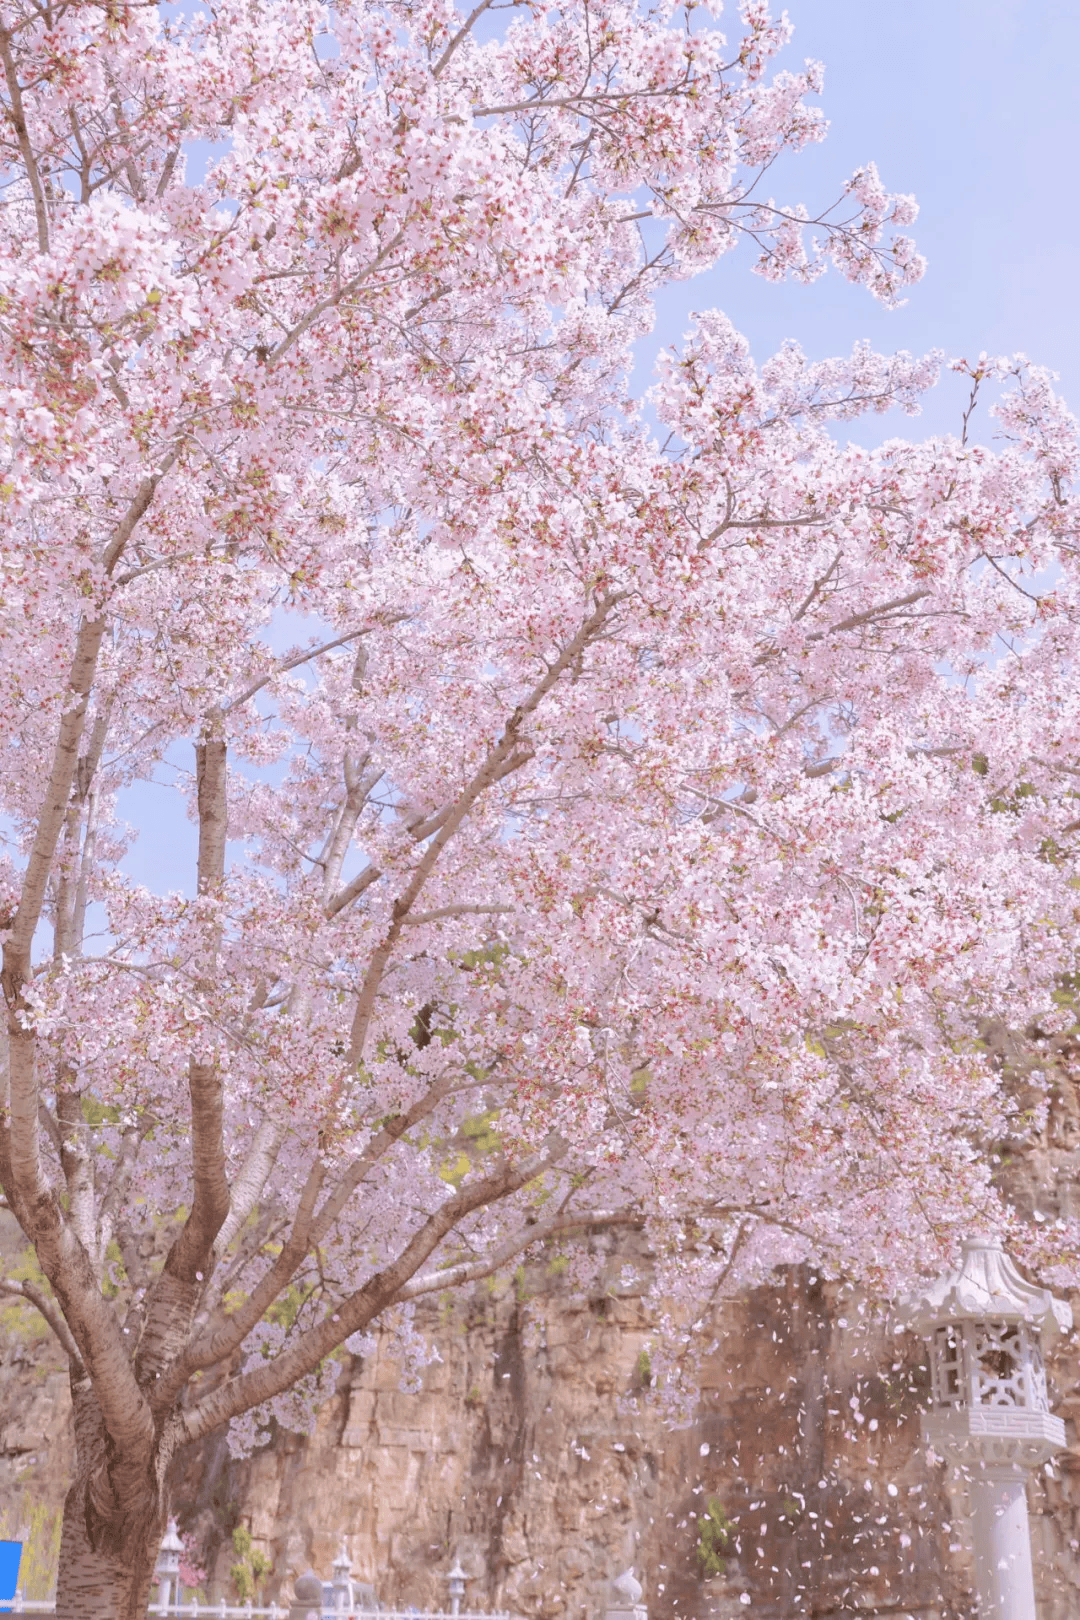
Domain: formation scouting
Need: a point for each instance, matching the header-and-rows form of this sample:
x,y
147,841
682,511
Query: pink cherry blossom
x,y
594,827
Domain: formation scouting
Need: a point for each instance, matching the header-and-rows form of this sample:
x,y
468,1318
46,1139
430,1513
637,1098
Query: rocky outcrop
x,y
531,1451
522,1455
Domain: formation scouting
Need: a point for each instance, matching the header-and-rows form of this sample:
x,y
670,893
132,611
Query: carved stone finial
x,y
308,1588
628,1587
171,1540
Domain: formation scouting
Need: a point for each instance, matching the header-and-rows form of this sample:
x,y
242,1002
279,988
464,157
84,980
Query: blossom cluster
x,y
648,828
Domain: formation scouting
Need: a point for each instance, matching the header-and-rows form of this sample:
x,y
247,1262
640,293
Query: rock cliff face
x,y
800,1485
520,1454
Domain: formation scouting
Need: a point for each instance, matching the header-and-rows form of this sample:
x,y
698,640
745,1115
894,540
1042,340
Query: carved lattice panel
x,y
947,1367
1040,1395
999,1376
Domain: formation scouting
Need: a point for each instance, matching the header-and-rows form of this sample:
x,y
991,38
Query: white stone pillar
x,y
990,1410
167,1568
456,1580
1002,1544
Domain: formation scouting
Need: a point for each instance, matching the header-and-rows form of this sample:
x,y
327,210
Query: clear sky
x,y
973,105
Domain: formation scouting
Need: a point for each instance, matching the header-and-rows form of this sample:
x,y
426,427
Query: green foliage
x,y
251,1567
38,1528
1067,993
480,1132
1011,804
98,1113
243,1585
115,1273
455,1170
643,1369
287,1307
486,959
480,1139
18,1317
715,1531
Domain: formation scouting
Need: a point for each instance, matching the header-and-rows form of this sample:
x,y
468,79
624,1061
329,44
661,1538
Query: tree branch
x,y
53,811
33,1296
352,891
500,759
294,663
418,917
469,1271
380,1143
92,1326
171,1298
268,1228
75,1162
221,1341
870,614
248,1187
332,300
612,98
466,28
262,1383
18,119
117,1190
190,1254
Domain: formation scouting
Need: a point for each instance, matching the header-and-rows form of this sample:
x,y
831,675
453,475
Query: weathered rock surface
x,y
521,1453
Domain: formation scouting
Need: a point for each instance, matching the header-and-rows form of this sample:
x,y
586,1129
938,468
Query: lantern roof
x,y
171,1542
986,1284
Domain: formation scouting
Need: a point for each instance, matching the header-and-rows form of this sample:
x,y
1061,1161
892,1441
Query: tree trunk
x,y
107,1582
114,1519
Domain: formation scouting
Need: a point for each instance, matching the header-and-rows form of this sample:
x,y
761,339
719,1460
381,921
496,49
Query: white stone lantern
x,y
167,1568
455,1581
989,1413
341,1581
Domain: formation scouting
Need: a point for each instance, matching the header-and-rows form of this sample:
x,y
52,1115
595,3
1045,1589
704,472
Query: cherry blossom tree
x,y
644,825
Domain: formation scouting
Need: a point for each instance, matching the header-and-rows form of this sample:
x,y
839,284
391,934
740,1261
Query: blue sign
x,y
10,1556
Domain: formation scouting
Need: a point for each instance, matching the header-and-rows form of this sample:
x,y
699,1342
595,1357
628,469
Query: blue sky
x,y
970,104
973,106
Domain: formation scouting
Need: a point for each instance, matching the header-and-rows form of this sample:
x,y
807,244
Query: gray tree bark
x,y
114,1518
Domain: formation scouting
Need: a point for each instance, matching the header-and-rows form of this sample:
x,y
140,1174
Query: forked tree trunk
x,y
107,1582
114,1519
